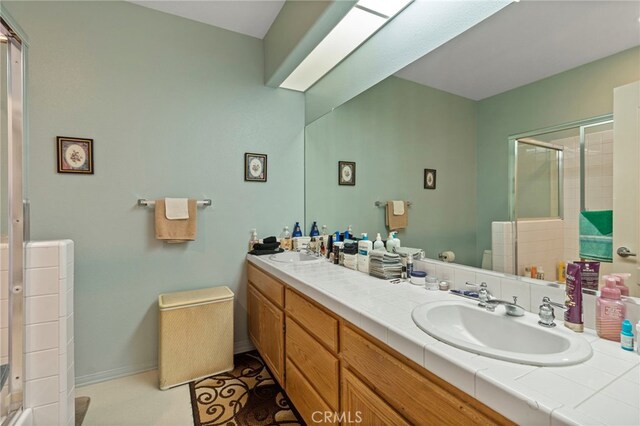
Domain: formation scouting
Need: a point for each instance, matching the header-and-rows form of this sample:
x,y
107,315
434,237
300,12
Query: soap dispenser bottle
x,y
297,232
285,239
378,244
392,242
620,283
314,230
610,311
348,233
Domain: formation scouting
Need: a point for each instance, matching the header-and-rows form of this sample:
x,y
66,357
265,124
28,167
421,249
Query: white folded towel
x,y
176,208
398,208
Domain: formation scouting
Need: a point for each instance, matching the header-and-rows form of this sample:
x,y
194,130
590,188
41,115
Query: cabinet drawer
x,y
318,365
306,400
362,405
320,324
269,286
414,396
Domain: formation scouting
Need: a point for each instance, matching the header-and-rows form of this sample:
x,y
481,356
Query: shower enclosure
x,y
12,216
557,173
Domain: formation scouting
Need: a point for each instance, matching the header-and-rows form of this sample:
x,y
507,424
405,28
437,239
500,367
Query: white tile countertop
x,y
604,390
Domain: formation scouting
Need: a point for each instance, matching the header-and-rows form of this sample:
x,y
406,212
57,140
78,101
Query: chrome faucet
x,y
483,293
547,316
512,308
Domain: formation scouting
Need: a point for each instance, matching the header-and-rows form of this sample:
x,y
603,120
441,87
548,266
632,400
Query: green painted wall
x,y
580,93
172,106
394,131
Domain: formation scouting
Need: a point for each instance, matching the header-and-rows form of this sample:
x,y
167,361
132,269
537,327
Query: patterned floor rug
x,y
246,396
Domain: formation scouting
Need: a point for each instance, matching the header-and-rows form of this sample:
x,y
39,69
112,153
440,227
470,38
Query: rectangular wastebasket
x,y
196,335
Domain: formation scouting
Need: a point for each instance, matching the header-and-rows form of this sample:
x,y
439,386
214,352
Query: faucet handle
x,y
515,300
546,313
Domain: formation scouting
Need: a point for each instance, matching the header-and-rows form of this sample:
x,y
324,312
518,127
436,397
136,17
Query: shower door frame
x,y
513,169
16,55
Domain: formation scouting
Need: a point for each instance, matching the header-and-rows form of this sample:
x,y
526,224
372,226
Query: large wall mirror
x,y
470,110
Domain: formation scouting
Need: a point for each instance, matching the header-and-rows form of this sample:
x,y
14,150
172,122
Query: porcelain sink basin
x,y
467,326
294,257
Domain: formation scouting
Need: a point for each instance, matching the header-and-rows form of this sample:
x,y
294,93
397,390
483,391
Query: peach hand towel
x,y
395,222
177,230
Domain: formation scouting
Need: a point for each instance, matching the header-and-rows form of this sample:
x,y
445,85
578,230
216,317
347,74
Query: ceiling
x,y
525,42
250,17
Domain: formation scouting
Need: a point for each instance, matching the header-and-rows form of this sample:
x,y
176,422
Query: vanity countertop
x,y
603,390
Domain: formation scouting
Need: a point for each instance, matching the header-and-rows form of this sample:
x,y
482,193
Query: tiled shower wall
x,y
49,345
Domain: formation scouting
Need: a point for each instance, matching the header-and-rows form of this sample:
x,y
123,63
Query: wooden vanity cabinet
x,y
266,320
333,372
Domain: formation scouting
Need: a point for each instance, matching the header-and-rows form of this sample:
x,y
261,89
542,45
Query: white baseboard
x,y
101,376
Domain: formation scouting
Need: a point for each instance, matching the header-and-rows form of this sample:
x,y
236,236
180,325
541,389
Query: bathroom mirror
x,y
531,66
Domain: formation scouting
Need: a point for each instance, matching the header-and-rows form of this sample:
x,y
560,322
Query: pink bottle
x,y
622,277
610,311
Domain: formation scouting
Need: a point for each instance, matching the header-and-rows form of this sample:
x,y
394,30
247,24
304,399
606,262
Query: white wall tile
x,y
41,309
62,300
41,336
41,281
445,272
556,294
41,364
462,277
46,415
41,392
41,256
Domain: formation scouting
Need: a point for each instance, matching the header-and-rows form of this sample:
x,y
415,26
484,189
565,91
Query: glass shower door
x,y
11,224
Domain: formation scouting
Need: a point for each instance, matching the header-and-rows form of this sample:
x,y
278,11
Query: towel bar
x,y
384,203
142,202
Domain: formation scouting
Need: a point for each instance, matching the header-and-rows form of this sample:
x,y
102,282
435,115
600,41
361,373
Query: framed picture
x,y
429,179
75,155
255,167
346,173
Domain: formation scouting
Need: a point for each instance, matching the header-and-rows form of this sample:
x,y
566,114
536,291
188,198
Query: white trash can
x,y
196,335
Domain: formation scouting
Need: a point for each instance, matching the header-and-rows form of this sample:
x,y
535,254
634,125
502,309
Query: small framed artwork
x,y
346,173
429,179
75,155
255,167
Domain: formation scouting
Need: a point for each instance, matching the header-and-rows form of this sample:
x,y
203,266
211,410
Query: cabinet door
x,y
253,309
272,337
361,405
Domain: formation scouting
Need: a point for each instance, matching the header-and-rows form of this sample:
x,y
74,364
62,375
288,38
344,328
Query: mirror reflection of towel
x,y
176,230
395,222
596,235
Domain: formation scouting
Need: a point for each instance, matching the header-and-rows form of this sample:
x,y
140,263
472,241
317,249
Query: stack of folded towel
x,y
384,265
351,255
269,245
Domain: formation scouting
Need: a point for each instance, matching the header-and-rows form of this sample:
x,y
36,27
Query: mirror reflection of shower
x,y
557,174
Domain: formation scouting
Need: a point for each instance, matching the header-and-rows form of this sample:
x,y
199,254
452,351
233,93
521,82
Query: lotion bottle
x,y
378,244
364,247
610,311
253,239
392,242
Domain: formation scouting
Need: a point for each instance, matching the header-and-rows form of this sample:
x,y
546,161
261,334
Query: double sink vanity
x,y
350,348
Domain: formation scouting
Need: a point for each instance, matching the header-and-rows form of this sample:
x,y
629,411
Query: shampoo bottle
x,y
378,244
297,232
573,300
314,230
610,311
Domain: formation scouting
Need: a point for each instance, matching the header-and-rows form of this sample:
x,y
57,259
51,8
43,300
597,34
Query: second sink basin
x,y
517,339
294,257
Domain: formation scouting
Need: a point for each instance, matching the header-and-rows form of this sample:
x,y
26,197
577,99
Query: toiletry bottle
x,y
336,237
626,336
610,311
396,239
314,230
409,265
534,271
621,283
573,299
540,274
285,239
527,271
364,247
348,233
324,230
392,242
378,244
297,232
560,273
253,239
